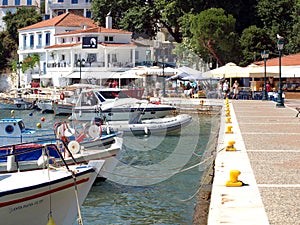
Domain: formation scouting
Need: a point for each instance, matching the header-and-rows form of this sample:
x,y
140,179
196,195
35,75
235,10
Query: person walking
x,y
220,89
235,88
225,88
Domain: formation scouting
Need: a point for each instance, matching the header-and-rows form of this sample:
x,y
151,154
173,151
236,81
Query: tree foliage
x,y
213,34
23,17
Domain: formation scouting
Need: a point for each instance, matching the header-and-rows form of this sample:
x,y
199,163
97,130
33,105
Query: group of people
x,y
224,89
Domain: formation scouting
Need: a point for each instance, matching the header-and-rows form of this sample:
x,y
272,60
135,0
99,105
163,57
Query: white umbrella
x,y
230,70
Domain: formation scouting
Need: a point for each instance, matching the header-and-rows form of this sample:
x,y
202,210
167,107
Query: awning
x,y
90,75
38,76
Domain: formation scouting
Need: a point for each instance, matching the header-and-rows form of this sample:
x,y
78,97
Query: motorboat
x,y
68,153
137,126
14,131
16,104
46,105
47,196
85,144
116,106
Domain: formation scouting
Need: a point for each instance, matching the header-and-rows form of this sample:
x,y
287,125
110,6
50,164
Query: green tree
x,y
253,41
23,17
145,18
213,35
276,17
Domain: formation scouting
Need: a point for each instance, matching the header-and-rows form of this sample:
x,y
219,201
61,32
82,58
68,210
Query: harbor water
x,y
156,180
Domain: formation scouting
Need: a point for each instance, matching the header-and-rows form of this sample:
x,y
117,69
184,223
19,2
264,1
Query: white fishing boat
x,y
68,153
159,126
16,104
115,105
45,105
13,131
47,196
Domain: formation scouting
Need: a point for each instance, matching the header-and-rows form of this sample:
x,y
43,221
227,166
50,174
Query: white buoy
x,y
74,147
11,165
94,131
146,130
43,160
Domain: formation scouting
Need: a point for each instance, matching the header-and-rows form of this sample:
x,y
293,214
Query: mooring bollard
x,y
233,179
230,146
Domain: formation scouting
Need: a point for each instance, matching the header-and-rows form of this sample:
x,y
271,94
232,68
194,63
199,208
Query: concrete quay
x,y
267,142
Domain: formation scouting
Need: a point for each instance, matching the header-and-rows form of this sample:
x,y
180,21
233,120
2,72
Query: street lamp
x,y
19,66
265,55
280,45
80,62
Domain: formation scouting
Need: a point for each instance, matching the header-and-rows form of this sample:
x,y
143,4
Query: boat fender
x,y
74,147
42,160
107,130
62,96
146,130
11,165
51,221
93,131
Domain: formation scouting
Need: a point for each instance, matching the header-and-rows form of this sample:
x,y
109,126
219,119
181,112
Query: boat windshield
x,y
113,94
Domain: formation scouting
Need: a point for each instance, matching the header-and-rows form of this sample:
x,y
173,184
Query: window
x,y
88,14
63,40
29,2
108,38
136,54
4,2
39,41
17,2
31,38
47,39
60,12
24,41
74,1
60,0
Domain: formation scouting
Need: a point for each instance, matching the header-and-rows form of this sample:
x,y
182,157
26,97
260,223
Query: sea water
x,y
156,180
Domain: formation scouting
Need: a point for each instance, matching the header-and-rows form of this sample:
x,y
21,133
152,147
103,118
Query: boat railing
x,y
14,154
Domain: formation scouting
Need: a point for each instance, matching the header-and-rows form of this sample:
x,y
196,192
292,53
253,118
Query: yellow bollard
x,y
38,125
233,179
228,130
228,119
230,146
227,112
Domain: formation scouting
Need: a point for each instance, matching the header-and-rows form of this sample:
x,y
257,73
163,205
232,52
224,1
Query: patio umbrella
x,y
255,71
230,70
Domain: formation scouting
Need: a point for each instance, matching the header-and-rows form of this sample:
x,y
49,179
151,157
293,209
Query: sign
x,y
89,42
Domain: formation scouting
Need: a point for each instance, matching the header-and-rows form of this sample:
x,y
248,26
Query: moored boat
x,y
47,196
115,105
159,126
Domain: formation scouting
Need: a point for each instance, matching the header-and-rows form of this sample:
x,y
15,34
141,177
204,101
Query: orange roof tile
x,y
289,60
95,30
63,45
65,20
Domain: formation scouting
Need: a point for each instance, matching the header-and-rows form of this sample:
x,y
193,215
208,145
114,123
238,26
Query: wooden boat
x,y
47,196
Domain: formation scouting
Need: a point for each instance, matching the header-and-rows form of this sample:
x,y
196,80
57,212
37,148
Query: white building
x,y
57,7
12,5
61,42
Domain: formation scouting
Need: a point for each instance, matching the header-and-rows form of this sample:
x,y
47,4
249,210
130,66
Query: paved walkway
x,y
268,157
